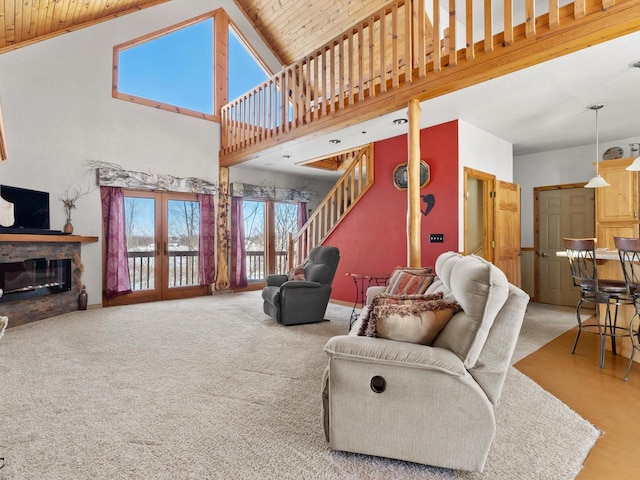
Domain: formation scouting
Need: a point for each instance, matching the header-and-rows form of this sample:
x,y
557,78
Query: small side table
x,y
362,282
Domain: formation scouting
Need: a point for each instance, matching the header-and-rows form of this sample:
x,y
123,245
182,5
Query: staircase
x,y
348,190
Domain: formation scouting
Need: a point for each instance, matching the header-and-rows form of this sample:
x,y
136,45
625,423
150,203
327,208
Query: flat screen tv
x,y
30,209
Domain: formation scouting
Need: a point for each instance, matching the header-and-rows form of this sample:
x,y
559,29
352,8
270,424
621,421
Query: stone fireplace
x,y
38,276
33,278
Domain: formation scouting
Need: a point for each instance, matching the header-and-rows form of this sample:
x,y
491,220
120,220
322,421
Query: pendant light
x,y
597,181
635,166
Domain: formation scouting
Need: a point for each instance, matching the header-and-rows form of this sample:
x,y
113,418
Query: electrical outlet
x,y
436,237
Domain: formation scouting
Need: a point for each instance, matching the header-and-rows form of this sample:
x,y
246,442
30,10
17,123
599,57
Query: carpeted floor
x,y
211,388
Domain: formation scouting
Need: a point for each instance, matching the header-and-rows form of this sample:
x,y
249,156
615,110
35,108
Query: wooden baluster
x,y
332,98
437,52
372,54
395,80
383,50
470,50
408,61
488,26
419,37
360,63
530,18
508,22
350,70
453,54
341,86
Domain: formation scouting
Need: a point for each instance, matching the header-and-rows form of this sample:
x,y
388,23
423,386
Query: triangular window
x,y
171,69
245,72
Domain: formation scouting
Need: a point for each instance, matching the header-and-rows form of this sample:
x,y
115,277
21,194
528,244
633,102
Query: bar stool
x,y
612,293
629,253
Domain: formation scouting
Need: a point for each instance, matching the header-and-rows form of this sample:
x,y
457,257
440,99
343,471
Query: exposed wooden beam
x,y
414,216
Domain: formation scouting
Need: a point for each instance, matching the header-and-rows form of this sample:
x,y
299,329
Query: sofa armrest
x,y
373,291
390,352
276,280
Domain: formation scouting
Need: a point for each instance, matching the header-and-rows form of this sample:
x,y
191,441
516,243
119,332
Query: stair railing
x,y
348,190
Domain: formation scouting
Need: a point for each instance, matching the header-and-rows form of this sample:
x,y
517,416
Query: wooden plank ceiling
x,y
293,29
23,22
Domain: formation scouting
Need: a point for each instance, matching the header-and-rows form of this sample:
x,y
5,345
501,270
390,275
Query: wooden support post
x,y
224,235
414,216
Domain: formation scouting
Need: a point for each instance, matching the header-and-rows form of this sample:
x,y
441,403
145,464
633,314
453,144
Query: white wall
x,y
58,113
557,167
482,151
317,189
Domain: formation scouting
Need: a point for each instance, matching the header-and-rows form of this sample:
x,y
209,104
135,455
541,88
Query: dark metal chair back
x,y
629,253
581,253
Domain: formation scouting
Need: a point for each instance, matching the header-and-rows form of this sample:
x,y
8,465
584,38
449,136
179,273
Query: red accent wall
x,y
372,238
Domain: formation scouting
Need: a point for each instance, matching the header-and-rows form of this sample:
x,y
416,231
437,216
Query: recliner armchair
x,y
293,302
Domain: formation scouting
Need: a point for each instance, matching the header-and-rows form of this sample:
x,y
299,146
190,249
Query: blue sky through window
x,y
177,68
244,72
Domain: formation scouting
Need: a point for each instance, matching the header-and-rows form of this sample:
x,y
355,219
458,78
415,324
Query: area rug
x,y
211,388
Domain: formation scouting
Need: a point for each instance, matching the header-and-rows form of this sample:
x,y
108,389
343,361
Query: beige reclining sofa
x,y
428,404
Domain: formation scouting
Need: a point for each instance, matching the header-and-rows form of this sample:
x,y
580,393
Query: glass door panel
x,y
184,231
286,222
254,239
140,224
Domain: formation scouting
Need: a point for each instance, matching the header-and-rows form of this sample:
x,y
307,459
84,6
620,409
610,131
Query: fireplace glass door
x,y
163,230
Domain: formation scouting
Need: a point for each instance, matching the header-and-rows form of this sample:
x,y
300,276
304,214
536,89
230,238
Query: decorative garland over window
x,y
113,175
268,192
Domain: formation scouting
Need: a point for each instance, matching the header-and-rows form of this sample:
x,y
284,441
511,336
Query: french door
x,y
163,230
267,226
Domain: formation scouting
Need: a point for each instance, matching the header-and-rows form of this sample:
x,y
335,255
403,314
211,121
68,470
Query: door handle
x,y
158,248
544,255
166,250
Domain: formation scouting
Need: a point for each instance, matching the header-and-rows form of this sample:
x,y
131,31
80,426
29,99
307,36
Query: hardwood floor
x,y
599,395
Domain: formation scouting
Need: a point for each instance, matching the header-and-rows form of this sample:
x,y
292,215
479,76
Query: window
x,y
267,225
171,69
245,72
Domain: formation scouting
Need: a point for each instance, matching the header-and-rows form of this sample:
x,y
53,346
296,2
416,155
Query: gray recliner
x,y
292,302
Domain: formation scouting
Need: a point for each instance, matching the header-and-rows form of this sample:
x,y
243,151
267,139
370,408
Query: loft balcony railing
x,y
183,269
390,55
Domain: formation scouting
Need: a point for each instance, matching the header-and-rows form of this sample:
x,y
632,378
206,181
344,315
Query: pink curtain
x,y
238,252
116,241
302,214
206,255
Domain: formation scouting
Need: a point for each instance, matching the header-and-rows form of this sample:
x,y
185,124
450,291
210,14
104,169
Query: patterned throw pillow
x,y
420,324
410,281
412,320
296,273
368,326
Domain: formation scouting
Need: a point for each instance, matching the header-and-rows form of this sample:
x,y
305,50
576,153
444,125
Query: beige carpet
x,y
211,388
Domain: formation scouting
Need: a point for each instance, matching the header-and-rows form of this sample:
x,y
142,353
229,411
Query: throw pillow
x,y
410,281
296,273
368,327
418,323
